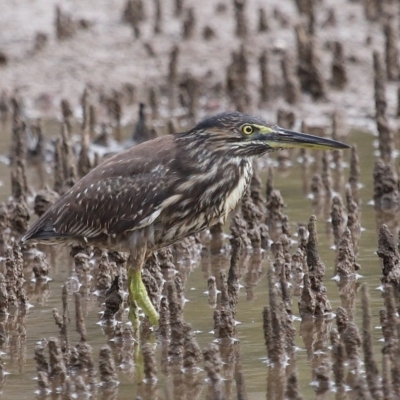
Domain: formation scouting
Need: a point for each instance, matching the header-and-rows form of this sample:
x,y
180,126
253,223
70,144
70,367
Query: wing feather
x,y
124,193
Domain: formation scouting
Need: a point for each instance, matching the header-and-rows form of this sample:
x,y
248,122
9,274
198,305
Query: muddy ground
x,y
106,56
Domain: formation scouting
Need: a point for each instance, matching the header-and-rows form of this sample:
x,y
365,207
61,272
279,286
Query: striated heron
x,y
163,190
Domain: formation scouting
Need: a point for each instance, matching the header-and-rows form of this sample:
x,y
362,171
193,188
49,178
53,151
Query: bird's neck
x,y
239,184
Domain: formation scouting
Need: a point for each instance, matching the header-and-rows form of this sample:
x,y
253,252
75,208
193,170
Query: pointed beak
x,y
279,138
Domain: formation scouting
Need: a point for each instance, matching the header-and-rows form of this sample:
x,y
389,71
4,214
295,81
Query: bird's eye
x,y
247,129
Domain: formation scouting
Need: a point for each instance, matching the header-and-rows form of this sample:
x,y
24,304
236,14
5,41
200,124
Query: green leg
x,y
138,294
133,310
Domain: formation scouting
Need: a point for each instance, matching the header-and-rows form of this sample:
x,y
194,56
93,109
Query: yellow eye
x,y
247,129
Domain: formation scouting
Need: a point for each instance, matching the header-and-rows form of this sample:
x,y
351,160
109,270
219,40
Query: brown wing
x,y
123,193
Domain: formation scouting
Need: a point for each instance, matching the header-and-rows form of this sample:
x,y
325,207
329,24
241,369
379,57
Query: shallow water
x,y
39,323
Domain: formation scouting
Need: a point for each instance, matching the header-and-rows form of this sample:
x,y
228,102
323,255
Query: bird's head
x,y
242,135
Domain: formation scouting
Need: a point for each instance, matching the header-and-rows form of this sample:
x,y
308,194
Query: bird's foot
x,y
138,293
